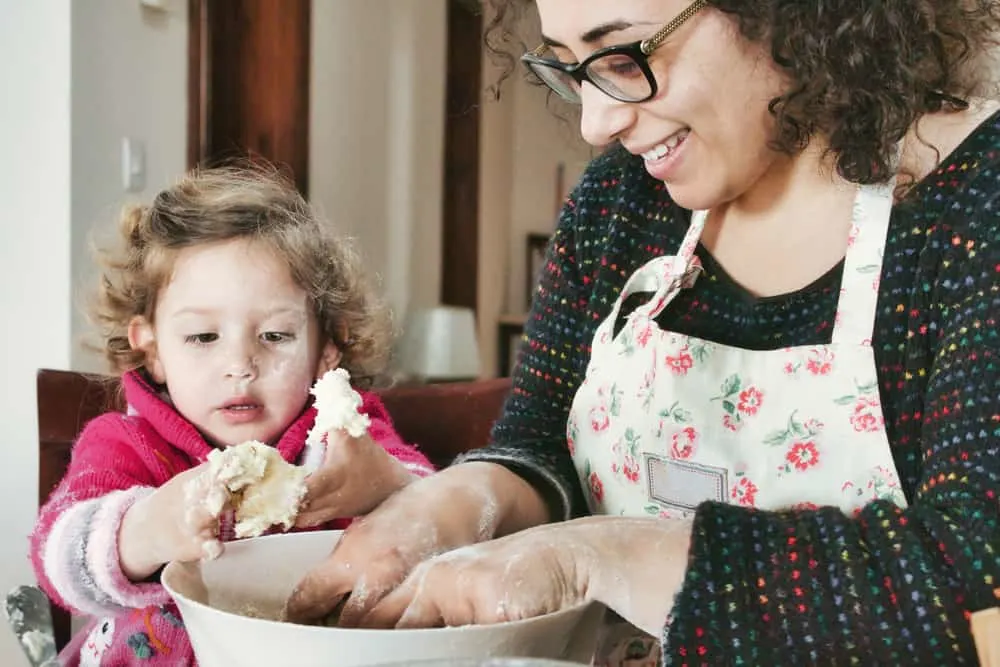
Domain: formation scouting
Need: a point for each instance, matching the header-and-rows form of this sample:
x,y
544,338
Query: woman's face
x,y
710,111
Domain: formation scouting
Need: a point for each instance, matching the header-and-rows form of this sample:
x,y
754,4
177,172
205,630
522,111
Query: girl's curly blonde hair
x,y
245,202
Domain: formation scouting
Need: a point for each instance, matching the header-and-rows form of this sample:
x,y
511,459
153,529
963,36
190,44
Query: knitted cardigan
x,y
888,586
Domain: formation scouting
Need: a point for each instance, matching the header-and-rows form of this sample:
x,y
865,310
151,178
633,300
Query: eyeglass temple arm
x,y
649,45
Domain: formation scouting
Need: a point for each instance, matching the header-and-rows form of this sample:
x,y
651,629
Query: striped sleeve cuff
x,y
81,557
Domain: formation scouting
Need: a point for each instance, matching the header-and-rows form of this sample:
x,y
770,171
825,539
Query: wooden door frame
x,y
198,92
460,193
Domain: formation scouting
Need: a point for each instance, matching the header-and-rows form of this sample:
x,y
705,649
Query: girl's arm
x,y
74,545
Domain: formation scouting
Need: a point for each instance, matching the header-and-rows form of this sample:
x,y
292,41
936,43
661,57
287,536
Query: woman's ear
x,y
142,337
329,359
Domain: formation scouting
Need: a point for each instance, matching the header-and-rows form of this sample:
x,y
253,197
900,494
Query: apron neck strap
x,y
857,306
665,276
856,309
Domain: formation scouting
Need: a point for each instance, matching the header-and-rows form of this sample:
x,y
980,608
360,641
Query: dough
x,y
263,488
337,407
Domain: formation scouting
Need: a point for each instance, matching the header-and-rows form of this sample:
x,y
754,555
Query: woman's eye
x,y
618,66
201,338
276,337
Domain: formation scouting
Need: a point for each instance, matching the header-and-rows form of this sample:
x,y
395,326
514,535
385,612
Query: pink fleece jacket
x,y
118,459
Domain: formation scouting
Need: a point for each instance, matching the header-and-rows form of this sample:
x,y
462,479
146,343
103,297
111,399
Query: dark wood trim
x,y
460,209
197,84
248,83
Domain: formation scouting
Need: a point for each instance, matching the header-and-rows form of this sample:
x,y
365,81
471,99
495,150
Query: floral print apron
x,y
664,422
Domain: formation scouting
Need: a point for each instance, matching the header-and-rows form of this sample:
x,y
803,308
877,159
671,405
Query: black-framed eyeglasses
x,y
622,71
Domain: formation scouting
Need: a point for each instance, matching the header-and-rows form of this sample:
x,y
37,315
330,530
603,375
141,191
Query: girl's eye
x,y
201,338
276,337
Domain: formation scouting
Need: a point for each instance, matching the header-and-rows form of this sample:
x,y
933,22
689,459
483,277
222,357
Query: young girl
x,y
226,301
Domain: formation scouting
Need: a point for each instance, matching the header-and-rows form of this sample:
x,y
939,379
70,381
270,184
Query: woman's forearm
x,y
514,503
635,566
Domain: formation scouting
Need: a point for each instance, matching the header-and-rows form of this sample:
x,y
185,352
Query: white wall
x,y
34,255
542,138
376,135
129,70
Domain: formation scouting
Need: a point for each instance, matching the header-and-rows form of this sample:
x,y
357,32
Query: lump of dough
x,y
336,407
263,488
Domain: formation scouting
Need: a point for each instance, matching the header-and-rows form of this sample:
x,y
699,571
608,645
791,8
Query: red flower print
x,y
820,362
683,442
571,445
599,419
680,364
643,336
596,487
867,417
802,455
750,399
631,468
744,492
732,423
789,368
805,506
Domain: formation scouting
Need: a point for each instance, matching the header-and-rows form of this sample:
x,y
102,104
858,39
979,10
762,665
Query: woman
x,y
784,403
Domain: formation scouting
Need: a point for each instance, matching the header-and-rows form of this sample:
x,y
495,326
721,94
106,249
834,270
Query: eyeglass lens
x,y
615,74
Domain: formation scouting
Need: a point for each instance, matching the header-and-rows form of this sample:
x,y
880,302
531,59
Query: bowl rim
x,y
180,599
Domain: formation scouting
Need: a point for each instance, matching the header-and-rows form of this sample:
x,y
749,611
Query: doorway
x,y
248,83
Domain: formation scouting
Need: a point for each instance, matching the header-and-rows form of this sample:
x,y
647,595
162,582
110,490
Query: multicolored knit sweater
x,y
890,586
118,459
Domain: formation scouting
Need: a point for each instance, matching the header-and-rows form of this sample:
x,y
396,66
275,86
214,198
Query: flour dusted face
x,y
236,342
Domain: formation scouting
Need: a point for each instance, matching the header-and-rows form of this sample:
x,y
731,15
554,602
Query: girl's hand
x,y
172,523
356,476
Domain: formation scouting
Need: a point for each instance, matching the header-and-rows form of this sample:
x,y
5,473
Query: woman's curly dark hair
x,y
860,73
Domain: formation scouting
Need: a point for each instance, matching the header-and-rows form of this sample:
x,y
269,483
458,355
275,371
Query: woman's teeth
x,y
662,150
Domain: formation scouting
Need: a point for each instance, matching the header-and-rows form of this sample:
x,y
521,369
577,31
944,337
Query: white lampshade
x,y
440,343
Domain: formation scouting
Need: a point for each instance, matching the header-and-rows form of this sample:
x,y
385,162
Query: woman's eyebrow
x,y
593,35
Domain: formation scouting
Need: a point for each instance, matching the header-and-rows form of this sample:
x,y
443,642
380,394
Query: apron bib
x,y
664,422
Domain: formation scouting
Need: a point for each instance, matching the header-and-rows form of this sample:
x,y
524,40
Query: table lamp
x,y
439,344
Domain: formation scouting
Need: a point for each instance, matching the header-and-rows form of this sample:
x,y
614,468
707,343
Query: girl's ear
x,y
142,337
329,359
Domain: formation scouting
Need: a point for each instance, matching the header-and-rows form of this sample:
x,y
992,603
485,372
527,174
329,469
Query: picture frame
x,y
535,246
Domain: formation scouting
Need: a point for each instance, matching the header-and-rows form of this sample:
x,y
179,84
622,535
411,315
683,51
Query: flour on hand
x,y
263,488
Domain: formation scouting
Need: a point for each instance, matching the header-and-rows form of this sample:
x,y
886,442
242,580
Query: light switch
x,y
133,165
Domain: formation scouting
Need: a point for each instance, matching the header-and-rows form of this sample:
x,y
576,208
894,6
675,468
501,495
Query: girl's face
x,y
235,341
710,110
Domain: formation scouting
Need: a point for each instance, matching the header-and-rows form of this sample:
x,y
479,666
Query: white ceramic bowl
x,y
259,574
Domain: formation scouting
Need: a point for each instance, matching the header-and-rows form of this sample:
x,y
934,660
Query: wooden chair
x,y
442,419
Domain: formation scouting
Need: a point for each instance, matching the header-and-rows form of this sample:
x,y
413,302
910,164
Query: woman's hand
x,y
356,476
172,523
634,566
462,505
527,574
